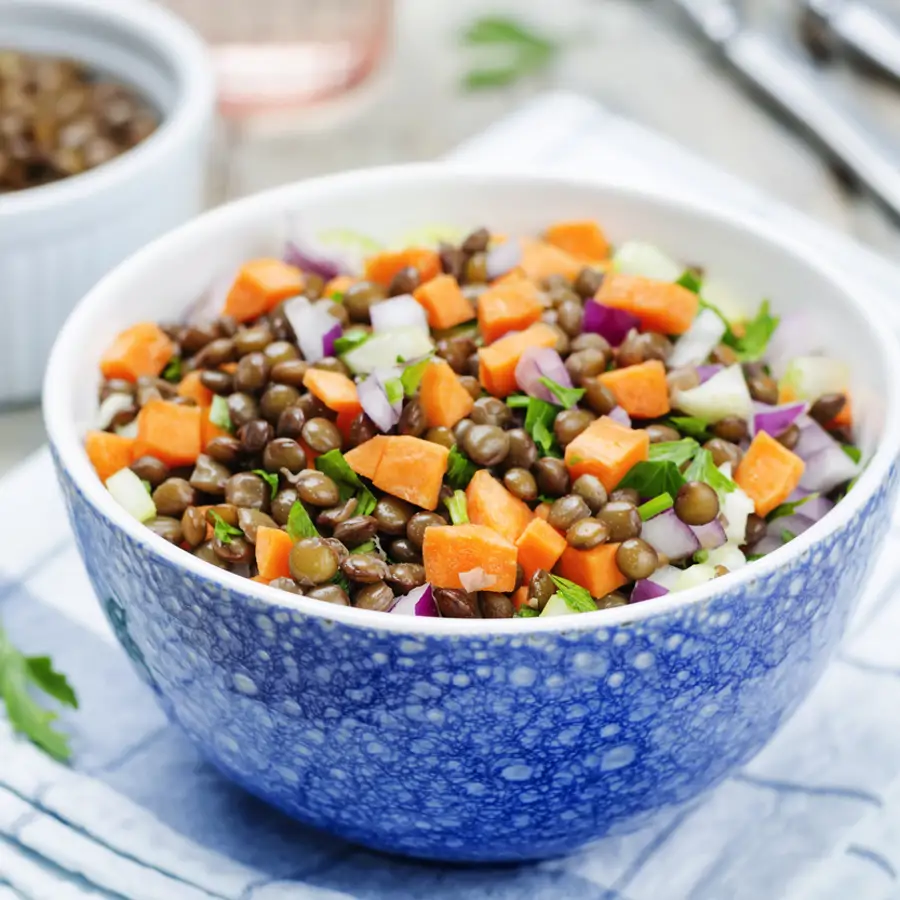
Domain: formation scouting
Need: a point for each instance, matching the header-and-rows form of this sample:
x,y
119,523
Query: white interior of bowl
x,y
163,280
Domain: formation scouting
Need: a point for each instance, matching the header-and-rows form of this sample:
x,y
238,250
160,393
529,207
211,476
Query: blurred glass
x,y
283,56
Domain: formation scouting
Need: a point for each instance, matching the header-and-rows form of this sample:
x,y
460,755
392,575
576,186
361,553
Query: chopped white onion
x,y
725,394
667,576
503,258
129,492
110,408
403,311
639,258
736,507
381,350
695,575
418,602
794,524
311,323
375,404
827,469
476,580
809,377
727,555
724,298
695,345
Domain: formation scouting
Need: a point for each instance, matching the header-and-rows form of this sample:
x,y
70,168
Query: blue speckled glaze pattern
x,y
477,748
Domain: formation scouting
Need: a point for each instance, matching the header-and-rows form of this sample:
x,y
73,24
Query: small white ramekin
x,y
57,241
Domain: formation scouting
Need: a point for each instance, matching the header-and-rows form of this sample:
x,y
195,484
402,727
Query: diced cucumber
x,y
382,350
809,377
639,258
725,394
695,576
129,492
556,606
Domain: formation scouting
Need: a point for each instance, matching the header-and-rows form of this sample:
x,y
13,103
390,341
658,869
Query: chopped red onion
x,y
541,362
330,337
398,312
647,590
707,372
794,523
668,535
503,258
798,334
698,341
613,324
813,438
374,402
711,535
307,261
617,414
774,420
476,580
312,323
418,602
815,509
766,545
827,469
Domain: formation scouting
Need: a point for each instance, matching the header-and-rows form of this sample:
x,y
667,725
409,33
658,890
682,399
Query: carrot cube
x,y
444,302
273,550
541,259
170,432
512,305
382,267
608,450
660,305
442,396
108,453
593,569
768,473
260,286
193,388
641,390
497,363
540,547
456,549
334,389
143,349
365,458
583,239
492,505
412,469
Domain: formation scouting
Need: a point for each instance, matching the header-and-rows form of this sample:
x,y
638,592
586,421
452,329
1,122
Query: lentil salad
x,y
494,427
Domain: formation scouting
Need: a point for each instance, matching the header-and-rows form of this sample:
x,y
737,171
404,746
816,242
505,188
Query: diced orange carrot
x,y
442,396
208,430
542,511
520,597
594,569
364,459
412,469
190,386
660,305
143,349
492,505
273,549
334,389
510,306
339,285
608,450
170,432
768,473
583,238
444,302
642,390
262,284
456,549
541,259
382,267
260,580
497,363
108,453
540,547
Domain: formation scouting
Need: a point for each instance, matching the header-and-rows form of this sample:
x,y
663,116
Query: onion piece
x,y
815,509
375,404
330,337
418,602
618,414
695,575
736,508
130,429
476,580
810,377
609,323
721,294
503,258
381,350
727,555
795,524
813,439
129,492
383,376
698,341
725,394
798,334
647,590
711,535
767,545
668,535
640,258
541,362
827,469
667,576
308,261
403,311
312,324
113,405
707,372
775,420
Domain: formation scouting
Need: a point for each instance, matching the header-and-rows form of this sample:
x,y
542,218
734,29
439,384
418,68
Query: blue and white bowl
x,y
475,740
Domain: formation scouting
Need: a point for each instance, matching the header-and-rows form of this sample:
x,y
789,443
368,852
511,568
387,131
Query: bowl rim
x,y
155,27
67,442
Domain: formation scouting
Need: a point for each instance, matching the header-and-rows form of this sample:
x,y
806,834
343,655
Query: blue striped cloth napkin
x,y
140,816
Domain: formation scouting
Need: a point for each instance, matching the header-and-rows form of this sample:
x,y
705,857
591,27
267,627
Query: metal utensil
x,y
865,29
791,83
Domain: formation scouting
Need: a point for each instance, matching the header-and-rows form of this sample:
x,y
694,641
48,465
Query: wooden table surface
x,y
634,56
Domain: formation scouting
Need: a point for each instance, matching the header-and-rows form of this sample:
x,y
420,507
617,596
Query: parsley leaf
x,y
853,452
787,535
568,397
224,532
678,452
341,580
655,506
172,372
460,469
691,280
704,469
458,507
393,388
336,296
18,675
219,414
691,426
654,477
349,483
539,420
787,509
270,479
351,338
367,547
299,524
517,401
523,51
757,332
576,597
526,612
412,376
